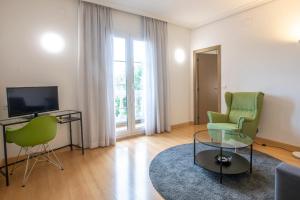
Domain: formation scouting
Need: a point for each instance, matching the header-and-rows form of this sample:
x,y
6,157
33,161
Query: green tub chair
x,y
243,113
34,139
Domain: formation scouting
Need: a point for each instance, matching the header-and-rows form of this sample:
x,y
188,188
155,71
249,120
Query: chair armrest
x,y
214,117
243,120
287,181
10,133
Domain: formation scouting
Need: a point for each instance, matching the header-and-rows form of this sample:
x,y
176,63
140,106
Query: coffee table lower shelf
x,y
207,160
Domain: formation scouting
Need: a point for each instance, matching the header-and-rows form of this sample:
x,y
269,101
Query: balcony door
x,y
129,68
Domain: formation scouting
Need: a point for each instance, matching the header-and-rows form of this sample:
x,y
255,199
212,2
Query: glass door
x,y
129,84
120,85
139,82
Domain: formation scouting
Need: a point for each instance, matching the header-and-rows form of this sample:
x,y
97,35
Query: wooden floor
x,y
119,172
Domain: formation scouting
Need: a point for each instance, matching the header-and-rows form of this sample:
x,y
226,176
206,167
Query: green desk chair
x,y
34,138
243,113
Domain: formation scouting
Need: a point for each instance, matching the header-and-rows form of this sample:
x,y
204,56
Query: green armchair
x,y
34,139
243,113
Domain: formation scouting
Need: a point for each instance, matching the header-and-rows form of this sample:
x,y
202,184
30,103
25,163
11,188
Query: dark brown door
x,y
207,67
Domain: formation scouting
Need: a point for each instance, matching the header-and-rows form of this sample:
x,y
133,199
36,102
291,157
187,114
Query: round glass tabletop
x,y
228,139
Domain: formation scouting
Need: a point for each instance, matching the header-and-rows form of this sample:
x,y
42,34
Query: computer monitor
x,y
31,100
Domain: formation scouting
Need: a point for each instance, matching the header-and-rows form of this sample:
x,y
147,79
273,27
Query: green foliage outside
x,y
121,100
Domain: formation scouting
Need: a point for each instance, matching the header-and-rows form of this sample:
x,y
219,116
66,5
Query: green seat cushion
x,y
222,126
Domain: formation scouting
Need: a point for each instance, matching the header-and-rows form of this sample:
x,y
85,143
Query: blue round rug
x,y
175,177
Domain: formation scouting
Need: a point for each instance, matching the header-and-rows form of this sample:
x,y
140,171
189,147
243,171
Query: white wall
x,y
24,63
260,53
179,75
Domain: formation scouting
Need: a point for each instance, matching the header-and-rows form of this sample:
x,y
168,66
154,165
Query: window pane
x,y
139,51
120,95
119,49
120,85
139,68
138,90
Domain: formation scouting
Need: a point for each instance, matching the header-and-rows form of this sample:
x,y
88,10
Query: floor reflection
x,y
122,168
131,172
141,170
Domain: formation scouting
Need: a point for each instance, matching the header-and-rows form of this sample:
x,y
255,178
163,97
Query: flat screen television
x,y
31,100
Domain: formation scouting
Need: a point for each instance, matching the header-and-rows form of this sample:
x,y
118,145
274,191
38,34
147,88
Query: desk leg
x,y
251,150
81,132
194,151
70,130
221,165
5,156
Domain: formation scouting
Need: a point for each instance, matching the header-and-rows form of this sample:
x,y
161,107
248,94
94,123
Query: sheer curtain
x,y
95,74
156,105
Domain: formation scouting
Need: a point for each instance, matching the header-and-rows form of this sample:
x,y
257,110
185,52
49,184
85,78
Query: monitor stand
x,y
30,117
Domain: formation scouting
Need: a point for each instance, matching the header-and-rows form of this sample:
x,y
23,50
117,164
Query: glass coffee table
x,y
222,158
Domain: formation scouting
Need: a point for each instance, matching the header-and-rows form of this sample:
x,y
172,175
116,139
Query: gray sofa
x,y
287,182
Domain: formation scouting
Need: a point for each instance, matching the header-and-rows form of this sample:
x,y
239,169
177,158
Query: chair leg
x,y
56,162
40,156
14,165
27,170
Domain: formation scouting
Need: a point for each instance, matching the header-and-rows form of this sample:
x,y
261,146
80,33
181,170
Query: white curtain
x,y
156,109
95,74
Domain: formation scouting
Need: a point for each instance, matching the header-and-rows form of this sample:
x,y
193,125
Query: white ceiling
x,y
187,13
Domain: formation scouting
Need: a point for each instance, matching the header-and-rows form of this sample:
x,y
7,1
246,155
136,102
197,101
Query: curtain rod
x,y
119,10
